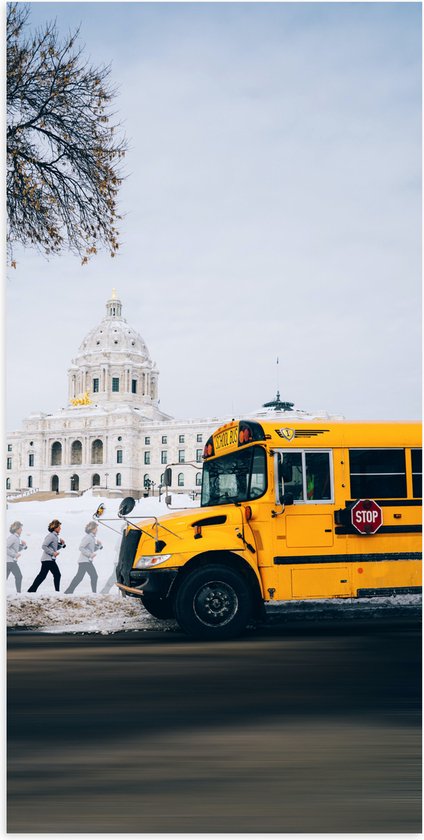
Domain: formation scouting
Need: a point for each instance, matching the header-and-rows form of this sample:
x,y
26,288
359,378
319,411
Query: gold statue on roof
x,y
82,399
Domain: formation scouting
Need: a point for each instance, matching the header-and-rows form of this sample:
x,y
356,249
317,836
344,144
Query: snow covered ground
x,y
80,614
113,613
49,611
52,612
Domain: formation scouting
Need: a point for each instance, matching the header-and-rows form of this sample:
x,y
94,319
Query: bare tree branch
x,y
63,147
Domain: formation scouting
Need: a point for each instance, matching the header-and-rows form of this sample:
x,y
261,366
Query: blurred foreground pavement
x,y
308,727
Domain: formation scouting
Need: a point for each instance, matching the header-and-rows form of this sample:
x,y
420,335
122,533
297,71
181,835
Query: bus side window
x,y
417,469
290,475
377,473
318,484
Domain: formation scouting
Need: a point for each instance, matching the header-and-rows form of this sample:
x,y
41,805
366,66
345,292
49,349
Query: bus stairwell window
x,y
318,485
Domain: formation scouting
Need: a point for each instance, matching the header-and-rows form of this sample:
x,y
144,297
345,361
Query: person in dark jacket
x,y
51,546
14,546
88,548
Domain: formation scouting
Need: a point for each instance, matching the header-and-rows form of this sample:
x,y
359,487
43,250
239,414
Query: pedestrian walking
x,y
14,547
88,547
51,546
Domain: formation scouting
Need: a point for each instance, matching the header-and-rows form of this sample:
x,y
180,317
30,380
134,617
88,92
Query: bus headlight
x,y
146,561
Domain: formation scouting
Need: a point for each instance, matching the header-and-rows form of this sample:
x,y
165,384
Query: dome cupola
x,y
113,306
113,364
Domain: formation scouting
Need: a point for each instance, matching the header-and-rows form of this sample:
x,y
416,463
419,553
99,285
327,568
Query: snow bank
x,y
84,614
113,613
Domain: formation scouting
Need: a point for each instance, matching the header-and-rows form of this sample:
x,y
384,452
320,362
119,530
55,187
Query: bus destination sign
x,y
225,438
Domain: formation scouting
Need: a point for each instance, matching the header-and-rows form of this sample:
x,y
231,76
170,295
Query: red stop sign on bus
x,y
367,516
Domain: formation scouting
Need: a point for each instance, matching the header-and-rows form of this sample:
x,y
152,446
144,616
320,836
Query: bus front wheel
x,y
213,602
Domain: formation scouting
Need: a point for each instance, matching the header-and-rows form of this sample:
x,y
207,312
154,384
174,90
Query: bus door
x,y
305,542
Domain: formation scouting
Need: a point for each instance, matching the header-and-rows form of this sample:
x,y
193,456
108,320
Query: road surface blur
x,y
308,727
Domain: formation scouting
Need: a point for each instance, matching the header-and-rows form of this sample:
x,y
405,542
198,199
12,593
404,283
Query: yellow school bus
x,y
289,511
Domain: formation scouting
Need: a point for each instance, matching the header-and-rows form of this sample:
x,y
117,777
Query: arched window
x,y
76,452
75,482
55,483
95,481
30,481
198,479
56,454
118,479
97,452
180,479
7,483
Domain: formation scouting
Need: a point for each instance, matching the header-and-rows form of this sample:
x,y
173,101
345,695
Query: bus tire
x,y
157,607
213,602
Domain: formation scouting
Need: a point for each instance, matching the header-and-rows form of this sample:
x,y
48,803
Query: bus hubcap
x,y
215,603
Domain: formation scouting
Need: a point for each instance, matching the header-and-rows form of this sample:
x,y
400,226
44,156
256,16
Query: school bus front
x,y
305,510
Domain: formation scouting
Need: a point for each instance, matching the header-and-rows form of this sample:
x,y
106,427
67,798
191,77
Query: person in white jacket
x,y
14,547
88,548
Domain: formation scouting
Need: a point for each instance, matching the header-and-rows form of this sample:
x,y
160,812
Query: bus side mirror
x,y
287,499
126,506
167,477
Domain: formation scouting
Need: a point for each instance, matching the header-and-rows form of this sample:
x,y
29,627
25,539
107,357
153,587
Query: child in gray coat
x,y
88,549
14,546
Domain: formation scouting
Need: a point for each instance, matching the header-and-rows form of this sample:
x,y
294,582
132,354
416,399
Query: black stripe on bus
x,y
385,529
389,590
392,502
295,560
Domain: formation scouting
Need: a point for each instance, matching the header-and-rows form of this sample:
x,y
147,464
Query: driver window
x,y
290,472
306,475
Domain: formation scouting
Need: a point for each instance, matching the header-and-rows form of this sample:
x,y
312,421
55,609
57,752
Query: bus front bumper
x,y
157,582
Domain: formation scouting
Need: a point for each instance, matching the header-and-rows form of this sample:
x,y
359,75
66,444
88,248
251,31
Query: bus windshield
x,y
236,477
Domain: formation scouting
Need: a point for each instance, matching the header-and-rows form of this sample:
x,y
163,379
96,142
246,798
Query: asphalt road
x,y
307,727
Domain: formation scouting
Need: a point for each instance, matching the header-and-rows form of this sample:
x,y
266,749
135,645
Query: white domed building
x,y
113,365
112,435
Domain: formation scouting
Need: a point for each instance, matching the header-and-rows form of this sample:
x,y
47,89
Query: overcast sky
x,y
272,210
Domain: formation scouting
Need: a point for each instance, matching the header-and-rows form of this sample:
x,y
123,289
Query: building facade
x,y
112,435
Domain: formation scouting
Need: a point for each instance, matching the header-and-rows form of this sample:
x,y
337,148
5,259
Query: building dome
x,y
113,335
113,364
